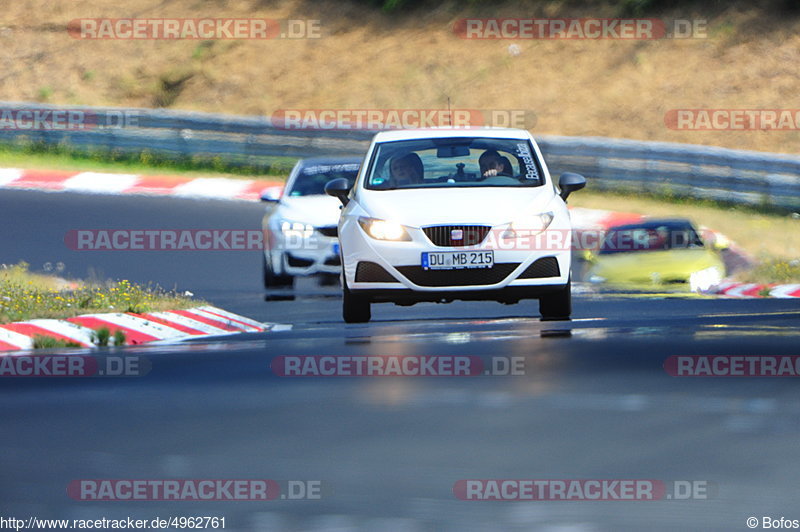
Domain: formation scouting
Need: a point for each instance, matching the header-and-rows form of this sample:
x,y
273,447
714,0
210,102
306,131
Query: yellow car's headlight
x,y
383,229
702,280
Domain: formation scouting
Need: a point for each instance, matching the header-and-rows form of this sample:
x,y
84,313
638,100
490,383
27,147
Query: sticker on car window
x,y
524,154
329,168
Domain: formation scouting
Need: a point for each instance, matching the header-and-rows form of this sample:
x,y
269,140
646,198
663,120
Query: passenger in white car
x,y
406,169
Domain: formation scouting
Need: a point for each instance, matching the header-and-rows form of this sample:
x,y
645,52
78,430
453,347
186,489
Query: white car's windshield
x,y
454,162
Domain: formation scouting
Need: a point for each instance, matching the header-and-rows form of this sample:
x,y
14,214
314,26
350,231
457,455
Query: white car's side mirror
x,y
569,182
271,194
339,188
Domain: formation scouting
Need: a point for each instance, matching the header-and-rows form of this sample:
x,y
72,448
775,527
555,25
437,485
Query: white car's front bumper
x,y
389,270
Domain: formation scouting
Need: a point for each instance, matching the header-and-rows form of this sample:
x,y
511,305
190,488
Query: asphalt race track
x,y
595,401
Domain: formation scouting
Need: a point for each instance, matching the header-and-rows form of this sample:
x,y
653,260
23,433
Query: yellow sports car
x,y
656,252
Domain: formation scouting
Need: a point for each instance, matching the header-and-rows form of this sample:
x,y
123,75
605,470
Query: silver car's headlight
x,y
383,229
296,229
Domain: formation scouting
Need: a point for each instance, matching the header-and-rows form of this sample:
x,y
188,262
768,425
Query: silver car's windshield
x,y
312,179
454,162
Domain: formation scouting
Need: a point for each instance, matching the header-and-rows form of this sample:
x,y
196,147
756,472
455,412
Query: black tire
x,y
328,279
271,280
355,308
558,305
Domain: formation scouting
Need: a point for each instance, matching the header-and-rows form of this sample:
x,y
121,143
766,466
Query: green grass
x,y
102,337
59,157
773,271
48,342
25,295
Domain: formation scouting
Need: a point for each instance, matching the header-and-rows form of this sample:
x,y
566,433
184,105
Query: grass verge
x,y
48,342
772,271
25,295
59,157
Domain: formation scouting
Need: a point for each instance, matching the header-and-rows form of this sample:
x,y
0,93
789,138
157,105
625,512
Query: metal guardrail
x,y
721,174
746,177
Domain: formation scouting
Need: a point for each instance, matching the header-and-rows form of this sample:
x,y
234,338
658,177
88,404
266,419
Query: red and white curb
x,y
752,290
107,183
164,327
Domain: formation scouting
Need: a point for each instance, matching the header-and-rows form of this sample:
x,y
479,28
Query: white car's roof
x,y
443,132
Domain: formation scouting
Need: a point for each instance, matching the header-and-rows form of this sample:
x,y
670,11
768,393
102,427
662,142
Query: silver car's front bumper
x,y
308,256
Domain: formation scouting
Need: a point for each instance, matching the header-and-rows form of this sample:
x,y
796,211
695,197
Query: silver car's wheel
x,y
271,280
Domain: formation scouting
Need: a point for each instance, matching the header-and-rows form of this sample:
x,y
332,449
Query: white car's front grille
x,y
456,235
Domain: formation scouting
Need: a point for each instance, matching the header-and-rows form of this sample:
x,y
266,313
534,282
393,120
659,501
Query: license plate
x,y
457,260
335,248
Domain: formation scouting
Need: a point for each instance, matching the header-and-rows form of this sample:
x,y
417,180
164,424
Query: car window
x,y
454,162
311,180
650,237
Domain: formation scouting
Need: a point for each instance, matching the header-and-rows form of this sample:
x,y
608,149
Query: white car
x,y
299,224
445,214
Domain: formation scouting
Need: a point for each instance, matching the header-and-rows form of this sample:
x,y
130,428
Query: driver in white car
x,y
492,164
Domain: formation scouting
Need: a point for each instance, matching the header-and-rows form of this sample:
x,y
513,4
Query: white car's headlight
x,y
296,229
702,280
529,226
383,229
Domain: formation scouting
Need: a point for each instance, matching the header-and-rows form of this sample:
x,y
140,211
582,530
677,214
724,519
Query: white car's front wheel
x,y
558,305
355,308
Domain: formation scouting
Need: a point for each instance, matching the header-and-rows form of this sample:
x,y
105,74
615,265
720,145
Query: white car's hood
x,y
317,210
452,206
